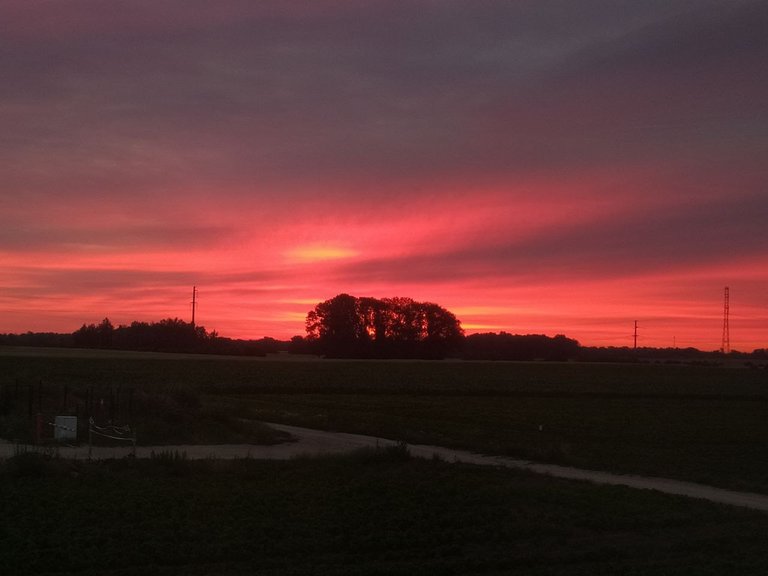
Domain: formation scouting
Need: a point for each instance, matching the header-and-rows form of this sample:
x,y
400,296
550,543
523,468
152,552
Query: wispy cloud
x,y
519,156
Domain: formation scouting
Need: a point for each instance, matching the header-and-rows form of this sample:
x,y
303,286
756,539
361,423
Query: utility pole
x,y
194,303
634,336
725,346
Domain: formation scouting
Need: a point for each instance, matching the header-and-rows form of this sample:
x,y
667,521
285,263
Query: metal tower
x,y
725,347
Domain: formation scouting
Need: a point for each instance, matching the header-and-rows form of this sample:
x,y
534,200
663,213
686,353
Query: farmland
x,y
380,511
367,513
699,423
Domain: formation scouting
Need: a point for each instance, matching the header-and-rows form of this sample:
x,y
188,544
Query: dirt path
x,y
317,442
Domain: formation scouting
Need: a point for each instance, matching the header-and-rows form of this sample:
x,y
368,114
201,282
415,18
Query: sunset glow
x,y
528,177
319,253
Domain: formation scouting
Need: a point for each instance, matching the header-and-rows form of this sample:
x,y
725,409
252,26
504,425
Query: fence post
x,y
88,400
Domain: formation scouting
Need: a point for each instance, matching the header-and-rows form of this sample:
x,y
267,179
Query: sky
x,y
534,166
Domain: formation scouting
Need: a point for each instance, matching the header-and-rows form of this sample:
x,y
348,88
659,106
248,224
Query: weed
x,y
174,462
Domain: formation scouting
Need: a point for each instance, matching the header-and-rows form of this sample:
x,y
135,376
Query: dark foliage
x,y
668,355
37,339
169,335
505,346
350,327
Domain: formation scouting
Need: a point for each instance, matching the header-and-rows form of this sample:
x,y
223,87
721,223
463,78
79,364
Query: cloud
x,y
101,236
448,147
141,98
623,246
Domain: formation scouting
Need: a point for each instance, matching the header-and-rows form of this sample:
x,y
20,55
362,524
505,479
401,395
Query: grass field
x,y
700,423
364,514
376,513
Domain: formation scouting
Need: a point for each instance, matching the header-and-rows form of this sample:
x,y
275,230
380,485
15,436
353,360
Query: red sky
x,y
533,166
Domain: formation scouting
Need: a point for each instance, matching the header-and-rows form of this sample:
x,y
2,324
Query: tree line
x,y
346,326
168,335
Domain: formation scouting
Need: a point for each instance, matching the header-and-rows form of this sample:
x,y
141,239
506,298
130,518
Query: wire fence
x,y
112,432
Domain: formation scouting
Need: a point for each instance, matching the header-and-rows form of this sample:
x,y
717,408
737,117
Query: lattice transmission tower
x,y
725,346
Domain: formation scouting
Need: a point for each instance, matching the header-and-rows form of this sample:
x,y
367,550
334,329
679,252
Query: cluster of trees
x,y
503,346
169,335
346,326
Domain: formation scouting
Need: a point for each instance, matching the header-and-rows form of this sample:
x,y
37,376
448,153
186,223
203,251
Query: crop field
x,y
702,423
382,512
369,513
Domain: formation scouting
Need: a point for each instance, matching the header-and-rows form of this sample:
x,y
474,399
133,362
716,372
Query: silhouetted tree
x,y
441,331
301,345
373,316
336,324
94,336
346,326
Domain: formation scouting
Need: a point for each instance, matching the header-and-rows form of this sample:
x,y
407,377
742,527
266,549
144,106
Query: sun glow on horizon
x,y
630,187
319,253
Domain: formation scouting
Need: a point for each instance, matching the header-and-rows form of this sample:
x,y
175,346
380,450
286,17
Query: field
x,y
700,423
370,513
381,512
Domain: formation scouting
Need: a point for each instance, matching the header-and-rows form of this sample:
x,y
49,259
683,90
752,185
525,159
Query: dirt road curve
x,y
318,442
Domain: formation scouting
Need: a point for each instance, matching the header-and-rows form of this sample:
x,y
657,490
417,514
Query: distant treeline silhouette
x,y
350,327
505,346
169,335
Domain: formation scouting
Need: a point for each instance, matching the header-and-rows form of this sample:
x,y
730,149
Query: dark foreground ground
x,y
704,424
382,512
367,513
